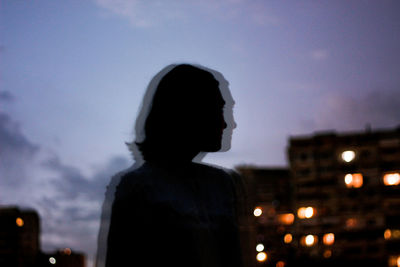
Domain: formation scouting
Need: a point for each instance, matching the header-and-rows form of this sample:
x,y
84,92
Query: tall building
x,y
19,237
20,242
347,197
340,198
270,194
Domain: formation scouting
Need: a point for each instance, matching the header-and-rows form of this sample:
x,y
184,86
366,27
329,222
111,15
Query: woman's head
x,y
185,115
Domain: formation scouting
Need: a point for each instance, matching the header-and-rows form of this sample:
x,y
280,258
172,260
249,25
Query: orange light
x,y
261,256
387,234
348,155
280,264
305,212
353,180
394,261
351,223
19,222
327,253
257,211
288,238
287,218
67,251
328,239
391,179
309,240
396,233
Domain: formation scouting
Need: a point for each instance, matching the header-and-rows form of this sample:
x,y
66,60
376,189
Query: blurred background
x,y
73,74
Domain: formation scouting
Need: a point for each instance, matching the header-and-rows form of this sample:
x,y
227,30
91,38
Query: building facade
x,y
347,197
19,237
338,204
270,194
20,242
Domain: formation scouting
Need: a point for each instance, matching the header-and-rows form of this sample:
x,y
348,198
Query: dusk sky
x,y
73,74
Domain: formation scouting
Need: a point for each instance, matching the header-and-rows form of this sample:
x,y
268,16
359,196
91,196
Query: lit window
x,y
52,260
280,264
309,240
391,179
327,253
391,234
394,261
286,219
354,180
329,239
260,247
19,222
287,238
348,155
351,223
261,256
257,211
305,212
387,234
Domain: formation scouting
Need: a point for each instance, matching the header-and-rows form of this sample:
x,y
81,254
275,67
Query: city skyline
x,y
73,76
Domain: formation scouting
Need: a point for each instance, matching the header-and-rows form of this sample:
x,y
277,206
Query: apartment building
x,y
342,191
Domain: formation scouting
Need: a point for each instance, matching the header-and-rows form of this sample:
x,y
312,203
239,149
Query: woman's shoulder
x,y
220,172
216,169
135,181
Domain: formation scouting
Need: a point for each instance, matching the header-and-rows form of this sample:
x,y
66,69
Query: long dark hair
x,y
178,108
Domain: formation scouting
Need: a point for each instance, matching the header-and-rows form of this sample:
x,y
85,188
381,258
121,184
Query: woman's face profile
x,y
214,123
188,110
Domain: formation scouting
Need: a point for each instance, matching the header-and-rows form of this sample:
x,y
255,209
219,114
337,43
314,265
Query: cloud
x,y
6,96
78,203
72,184
16,152
377,108
141,13
319,54
69,203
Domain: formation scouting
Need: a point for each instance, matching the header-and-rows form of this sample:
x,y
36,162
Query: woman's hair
x,y
179,108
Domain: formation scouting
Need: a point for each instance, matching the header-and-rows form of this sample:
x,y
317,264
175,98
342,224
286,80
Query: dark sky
x,y
73,74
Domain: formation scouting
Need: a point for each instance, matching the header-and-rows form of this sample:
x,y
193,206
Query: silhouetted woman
x,y
172,211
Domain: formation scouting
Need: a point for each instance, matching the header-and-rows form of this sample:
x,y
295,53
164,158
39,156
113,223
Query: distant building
x,y
347,197
19,237
63,258
20,242
270,194
343,191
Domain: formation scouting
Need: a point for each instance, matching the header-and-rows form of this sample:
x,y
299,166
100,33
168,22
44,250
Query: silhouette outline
x,y
169,207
